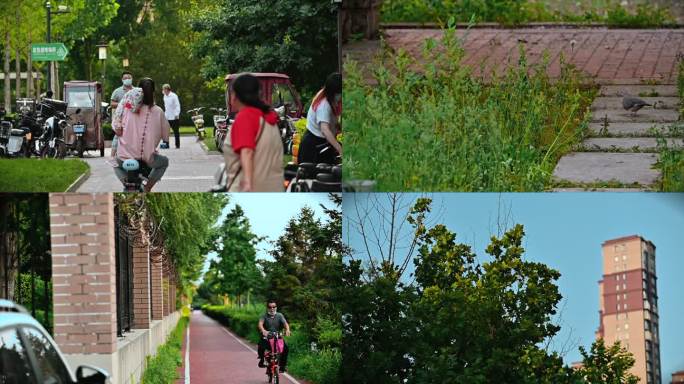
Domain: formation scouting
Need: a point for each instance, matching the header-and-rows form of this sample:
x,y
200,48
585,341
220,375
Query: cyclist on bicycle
x,y
272,321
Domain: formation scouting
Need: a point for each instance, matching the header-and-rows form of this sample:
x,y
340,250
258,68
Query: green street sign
x,y
48,52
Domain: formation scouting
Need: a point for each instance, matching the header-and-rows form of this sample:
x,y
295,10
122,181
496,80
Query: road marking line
x,y
252,349
187,178
187,358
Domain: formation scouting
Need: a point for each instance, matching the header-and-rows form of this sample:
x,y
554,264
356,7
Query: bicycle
x,y
272,356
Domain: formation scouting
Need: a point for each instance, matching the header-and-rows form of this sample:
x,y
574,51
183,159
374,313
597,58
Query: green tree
x,y
296,37
235,271
609,365
454,318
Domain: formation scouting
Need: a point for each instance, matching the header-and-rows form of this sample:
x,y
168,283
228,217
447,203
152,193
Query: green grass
x,y
319,366
441,129
39,175
671,160
515,12
208,139
161,369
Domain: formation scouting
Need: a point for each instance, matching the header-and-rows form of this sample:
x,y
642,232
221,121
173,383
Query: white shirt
x,y
322,114
172,108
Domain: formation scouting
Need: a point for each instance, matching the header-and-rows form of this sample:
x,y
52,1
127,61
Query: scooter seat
x,y
306,171
20,131
337,172
323,168
319,186
328,178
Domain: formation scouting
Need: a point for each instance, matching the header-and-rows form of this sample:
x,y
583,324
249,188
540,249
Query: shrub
x,y
107,131
162,368
441,129
512,12
671,160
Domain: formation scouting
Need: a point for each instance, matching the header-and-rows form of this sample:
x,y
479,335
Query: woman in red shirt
x,y
254,149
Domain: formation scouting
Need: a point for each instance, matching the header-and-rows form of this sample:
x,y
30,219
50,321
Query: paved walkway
x,y
217,356
611,56
621,148
190,169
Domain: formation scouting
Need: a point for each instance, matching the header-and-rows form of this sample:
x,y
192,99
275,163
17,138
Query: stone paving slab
x,y
190,169
628,129
612,56
616,103
645,115
592,167
643,144
661,90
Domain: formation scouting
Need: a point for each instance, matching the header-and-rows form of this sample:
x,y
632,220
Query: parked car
x,y
28,355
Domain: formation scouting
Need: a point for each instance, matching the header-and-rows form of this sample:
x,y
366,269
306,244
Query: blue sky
x,y
268,214
565,231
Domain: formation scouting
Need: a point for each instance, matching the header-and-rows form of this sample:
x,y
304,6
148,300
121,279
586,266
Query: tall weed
x,y
515,12
439,128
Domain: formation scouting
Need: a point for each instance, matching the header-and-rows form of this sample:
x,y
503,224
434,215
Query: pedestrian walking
x,y
117,96
254,149
172,110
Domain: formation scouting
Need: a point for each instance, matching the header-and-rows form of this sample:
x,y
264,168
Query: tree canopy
x,y
456,319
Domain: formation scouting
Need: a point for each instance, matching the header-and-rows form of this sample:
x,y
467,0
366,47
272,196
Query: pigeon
x,y
633,104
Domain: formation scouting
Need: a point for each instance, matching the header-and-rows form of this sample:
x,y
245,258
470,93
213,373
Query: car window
x,y
49,363
281,95
14,363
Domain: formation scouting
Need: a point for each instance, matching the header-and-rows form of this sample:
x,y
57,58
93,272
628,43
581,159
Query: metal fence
x,y
124,274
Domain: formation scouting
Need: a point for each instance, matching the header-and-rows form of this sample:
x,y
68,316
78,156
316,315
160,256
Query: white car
x,y
28,355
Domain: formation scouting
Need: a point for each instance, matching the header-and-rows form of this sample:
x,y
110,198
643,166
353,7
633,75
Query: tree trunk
x,y
17,58
29,68
8,96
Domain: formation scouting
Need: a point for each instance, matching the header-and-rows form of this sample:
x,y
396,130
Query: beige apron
x,y
268,162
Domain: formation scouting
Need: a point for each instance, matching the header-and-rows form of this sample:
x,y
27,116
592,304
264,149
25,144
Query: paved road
x,y
611,56
191,169
217,356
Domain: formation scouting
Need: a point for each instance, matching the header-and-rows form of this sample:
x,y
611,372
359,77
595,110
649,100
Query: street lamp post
x,y
60,9
102,55
48,6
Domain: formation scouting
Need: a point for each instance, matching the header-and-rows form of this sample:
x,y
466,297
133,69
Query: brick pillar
x,y
141,281
360,17
172,297
156,291
83,270
165,287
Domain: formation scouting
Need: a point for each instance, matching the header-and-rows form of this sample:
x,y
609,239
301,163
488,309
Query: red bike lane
x,y
218,356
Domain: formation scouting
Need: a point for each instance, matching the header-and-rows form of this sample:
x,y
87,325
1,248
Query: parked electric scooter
x,y
221,127
286,127
311,177
5,129
198,121
51,143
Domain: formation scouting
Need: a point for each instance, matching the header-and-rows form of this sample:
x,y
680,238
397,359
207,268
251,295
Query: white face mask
x,y
272,311
127,82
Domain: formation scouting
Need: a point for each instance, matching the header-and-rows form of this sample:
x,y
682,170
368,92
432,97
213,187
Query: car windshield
x,y
80,97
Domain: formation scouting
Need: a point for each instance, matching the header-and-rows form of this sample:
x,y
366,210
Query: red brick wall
x,y
157,293
83,270
141,282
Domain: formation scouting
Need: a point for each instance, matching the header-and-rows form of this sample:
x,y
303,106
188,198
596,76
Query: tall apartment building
x,y
629,303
